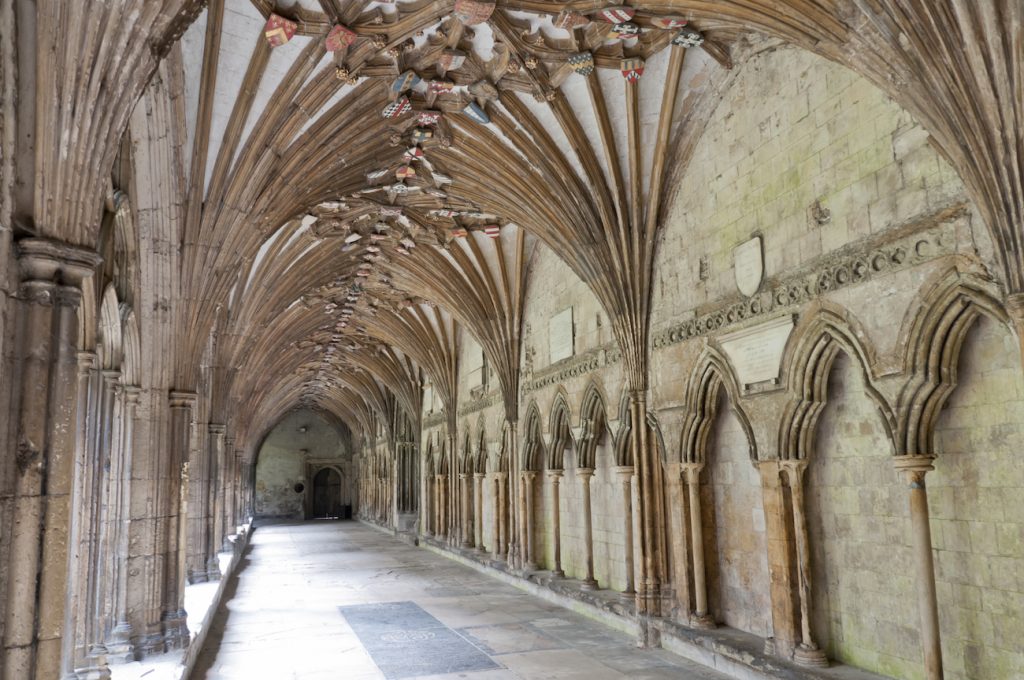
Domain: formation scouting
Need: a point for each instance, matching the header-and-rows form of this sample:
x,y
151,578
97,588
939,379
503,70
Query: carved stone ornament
x,y
748,264
339,38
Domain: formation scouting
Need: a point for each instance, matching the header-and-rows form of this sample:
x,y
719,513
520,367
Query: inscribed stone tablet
x,y
756,352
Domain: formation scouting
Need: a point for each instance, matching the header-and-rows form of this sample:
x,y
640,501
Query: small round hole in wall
x,y
299,487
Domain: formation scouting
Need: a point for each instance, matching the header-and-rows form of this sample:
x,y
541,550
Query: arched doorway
x,y
327,494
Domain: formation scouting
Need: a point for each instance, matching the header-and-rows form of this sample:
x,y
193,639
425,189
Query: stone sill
x,y
201,602
726,650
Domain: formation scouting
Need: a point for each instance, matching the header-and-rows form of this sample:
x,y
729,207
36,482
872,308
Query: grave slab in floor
x,y
339,600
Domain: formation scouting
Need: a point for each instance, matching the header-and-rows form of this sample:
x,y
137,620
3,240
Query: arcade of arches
x,y
703,316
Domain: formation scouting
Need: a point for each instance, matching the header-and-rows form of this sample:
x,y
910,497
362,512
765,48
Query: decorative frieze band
x,y
839,271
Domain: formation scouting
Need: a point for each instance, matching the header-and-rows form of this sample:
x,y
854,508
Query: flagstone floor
x,y
342,601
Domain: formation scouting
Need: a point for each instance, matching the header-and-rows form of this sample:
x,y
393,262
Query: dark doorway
x,y
327,493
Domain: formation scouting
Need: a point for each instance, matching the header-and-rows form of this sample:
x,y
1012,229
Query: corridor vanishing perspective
x,y
702,320
319,600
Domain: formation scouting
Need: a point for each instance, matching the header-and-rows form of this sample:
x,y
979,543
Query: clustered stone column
x,y
173,616
503,515
496,553
49,294
478,504
807,652
528,545
700,618
467,519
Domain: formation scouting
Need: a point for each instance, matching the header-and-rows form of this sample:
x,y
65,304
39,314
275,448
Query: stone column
x,y
556,522
913,469
503,515
175,629
79,616
225,492
478,503
467,518
678,531
807,652
213,528
701,618
625,476
46,324
531,561
495,519
589,583
119,644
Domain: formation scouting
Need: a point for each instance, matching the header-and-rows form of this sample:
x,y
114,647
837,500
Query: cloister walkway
x,y
342,601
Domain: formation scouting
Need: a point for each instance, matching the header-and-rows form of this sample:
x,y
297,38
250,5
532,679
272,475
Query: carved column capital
x,y
180,399
554,475
87,361
132,394
585,473
529,475
625,472
691,471
794,469
46,260
914,468
480,475
217,429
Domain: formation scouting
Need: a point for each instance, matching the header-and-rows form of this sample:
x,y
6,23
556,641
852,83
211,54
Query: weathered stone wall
x,y
977,514
8,267
860,536
734,529
291,456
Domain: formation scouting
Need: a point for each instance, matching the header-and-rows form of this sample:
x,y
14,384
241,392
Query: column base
x,y
628,595
589,584
702,621
467,545
197,576
175,626
213,569
558,573
810,656
119,647
95,667
530,566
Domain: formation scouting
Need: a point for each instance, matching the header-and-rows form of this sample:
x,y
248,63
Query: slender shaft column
x,y
527,519
625,474
556,522
45,394
521,527
173,617
503,514
478,502
701,618
120,648
467,518
589,582
913,470
807,652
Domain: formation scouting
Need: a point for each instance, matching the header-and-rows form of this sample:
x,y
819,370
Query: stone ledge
x,y
742,655
727,650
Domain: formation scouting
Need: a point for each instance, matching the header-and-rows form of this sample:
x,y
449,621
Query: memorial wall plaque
x,y
756,352
748,263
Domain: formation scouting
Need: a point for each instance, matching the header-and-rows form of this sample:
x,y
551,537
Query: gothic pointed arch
x,y
934,336
711,374
533,443
594,425
810,353
560,430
